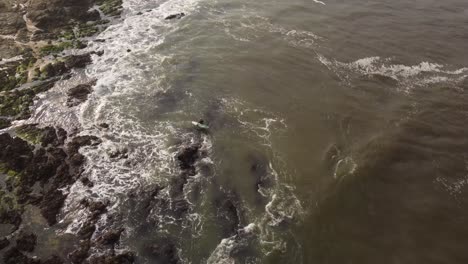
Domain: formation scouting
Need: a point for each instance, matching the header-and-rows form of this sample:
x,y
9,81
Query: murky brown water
x,y
337,130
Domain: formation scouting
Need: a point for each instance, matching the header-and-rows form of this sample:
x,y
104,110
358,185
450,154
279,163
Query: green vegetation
x,y
86,30
52,49
4,123
31,134
110,7
16,103
13,76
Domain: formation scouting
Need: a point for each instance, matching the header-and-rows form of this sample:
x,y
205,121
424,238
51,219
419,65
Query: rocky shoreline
x,y
39,164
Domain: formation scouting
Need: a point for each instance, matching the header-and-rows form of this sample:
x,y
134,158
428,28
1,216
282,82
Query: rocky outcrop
x,y
79,93
51,14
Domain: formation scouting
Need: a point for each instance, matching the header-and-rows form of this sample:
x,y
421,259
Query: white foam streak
x,y
407,76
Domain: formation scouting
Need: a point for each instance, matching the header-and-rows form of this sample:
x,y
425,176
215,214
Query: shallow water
x,y
337,130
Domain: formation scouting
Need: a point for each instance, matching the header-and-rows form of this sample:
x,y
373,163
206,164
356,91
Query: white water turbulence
x,y
406,77
134,111
123,77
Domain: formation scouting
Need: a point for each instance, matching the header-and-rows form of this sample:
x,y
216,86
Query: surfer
x,y
200,125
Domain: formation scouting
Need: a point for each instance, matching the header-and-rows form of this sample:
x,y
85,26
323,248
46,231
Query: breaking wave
x,y
406,77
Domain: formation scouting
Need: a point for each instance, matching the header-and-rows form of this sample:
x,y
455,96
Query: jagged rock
x,y
79,93
51,205
79,255
78,61
175,16
110,237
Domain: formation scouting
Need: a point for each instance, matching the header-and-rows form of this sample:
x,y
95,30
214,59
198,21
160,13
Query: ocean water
x,y
337,130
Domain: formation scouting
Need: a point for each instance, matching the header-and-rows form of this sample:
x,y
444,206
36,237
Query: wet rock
x,y
96,209
175,16
118,153
87,230
123,258
26,242
78,61
79,93
51,205
104,125
87,182
188,156
4,243
79,255
82,141
14,256
110,237
53,260
15,153
163,252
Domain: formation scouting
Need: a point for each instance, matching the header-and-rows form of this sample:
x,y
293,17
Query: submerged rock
x,y
175,16
163,251
26,241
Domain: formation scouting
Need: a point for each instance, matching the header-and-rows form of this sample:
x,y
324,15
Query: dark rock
x,y
110,237
14,256
52,203
4,243
87,230
79,93
104,125
120,153
96,209
175,16
87,182
99,53
77,61
79,255
129,50
139,13
52,14
14,152
123,258
188,156
82,141
53,260
26,241
163,252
